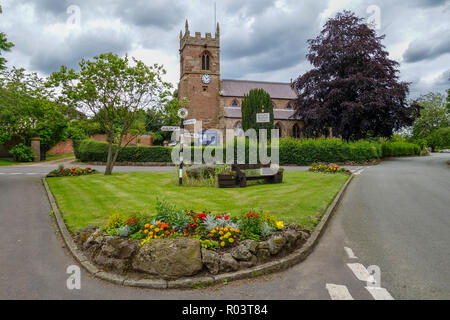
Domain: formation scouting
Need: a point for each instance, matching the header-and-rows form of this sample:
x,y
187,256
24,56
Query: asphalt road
x,y
394,215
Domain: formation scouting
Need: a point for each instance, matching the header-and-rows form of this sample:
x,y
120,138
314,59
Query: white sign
x,y
191,135
190,121
170,128
262,117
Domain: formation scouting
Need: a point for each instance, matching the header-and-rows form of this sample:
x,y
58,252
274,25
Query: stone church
x,y
217,102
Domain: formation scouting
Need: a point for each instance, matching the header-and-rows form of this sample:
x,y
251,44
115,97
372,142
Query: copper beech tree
x,y
113,90
353,87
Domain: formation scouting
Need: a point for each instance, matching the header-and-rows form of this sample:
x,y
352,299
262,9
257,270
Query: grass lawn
x,y
50,157
4,162
88,200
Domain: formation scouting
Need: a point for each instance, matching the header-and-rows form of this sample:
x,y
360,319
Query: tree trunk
x,y
109,160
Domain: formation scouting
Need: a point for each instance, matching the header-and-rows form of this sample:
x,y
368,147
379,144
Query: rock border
x,y
200,281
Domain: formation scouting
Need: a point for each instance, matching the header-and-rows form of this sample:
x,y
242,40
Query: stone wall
x,y
182,257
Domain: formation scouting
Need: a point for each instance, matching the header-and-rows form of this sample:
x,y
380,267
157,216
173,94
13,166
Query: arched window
x,y
278,127
289,106
296,133
205,61
235,103
238,132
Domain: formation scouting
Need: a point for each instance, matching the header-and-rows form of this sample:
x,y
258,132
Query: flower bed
x,y
178,243
328,168
71,172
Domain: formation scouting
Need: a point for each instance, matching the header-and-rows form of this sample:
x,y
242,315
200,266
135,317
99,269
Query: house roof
x,y
239,88
278,114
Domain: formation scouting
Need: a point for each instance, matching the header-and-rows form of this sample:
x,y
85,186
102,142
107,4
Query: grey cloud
x,y
276,40
444,79
426,49
74,48
156,13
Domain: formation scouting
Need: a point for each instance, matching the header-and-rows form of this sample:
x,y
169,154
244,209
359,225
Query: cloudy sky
x,y
260,39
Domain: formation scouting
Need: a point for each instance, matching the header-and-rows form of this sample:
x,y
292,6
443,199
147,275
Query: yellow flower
x,y
152,226
237,230
280,225
147,226
227,228
213,230
222,244
227,235
221,232
211,234
232,229
146,231
231,240
157,230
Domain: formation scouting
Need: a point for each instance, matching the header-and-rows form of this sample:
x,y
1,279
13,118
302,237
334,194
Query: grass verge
x,y
302,198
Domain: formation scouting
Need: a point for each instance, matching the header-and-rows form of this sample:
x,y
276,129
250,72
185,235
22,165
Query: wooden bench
x,y
240,178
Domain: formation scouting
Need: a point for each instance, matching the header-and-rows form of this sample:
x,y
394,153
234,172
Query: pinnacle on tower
x,y
217,30
186,28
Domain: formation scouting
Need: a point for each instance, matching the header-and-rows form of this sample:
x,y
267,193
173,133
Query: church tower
x,y
200,76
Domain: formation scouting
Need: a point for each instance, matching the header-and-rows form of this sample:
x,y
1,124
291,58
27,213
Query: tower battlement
x,y
198,40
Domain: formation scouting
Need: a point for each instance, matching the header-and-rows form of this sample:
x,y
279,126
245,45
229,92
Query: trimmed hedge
x,y
291,151
306,151
395,149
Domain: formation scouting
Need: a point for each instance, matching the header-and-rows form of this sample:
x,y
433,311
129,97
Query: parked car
x,y
445,151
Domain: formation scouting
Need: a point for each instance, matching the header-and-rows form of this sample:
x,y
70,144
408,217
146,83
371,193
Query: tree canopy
x,y
113,90
433,116
353,87
5,45
28,109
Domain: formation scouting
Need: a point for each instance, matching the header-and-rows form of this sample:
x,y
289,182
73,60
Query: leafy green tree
x,y
433,115
112,90
28,109
255,102
5,45
165,115
448,100
439,139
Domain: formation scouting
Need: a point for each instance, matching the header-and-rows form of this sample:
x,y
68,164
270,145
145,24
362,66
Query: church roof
x,y
278,114
276,90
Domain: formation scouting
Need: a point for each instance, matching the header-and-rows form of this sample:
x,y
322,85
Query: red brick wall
x,y
62,147
65,147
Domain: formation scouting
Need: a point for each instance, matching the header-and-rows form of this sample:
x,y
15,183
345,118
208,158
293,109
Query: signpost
x,y
182,113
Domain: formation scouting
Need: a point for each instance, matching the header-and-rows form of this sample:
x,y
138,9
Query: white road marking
x,y
358,172
16,173
350,253
338,292
379,293
360,271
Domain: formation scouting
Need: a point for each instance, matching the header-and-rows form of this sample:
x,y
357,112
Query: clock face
x,y
206,78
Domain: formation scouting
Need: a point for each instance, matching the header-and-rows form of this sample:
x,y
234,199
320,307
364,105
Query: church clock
x,y
206,78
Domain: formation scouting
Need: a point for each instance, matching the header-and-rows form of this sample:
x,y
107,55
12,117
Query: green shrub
x,y
440,139
291,151
307,151
395,149
115,221
22,153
